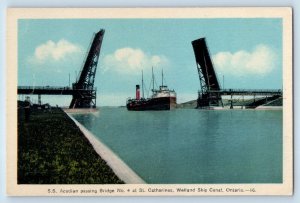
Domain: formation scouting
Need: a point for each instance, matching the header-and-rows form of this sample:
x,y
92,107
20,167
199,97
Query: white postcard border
x,y
13,14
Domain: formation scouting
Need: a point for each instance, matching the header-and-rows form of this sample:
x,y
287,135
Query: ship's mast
x,y
162,77
143,83
152,80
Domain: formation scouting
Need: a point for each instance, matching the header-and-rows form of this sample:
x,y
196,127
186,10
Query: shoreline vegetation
x,y
53,150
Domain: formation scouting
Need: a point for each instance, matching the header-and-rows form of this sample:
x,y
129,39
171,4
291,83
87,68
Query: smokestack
x,y
137,92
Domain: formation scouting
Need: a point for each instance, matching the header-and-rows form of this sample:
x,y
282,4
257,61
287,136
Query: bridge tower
x,y
85,96
209,84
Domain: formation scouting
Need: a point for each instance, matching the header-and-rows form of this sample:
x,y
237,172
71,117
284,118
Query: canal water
x,y
194,146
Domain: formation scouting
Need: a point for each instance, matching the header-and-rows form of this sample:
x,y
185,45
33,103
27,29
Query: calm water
x,y
194,146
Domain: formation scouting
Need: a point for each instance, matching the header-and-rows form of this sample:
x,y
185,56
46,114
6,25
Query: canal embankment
x,y
121,169
52,149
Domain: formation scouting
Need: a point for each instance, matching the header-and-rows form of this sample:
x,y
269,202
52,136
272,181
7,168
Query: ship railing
x,y
129,99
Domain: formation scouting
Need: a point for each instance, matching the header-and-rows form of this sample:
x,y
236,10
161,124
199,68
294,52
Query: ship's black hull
x,y
161,103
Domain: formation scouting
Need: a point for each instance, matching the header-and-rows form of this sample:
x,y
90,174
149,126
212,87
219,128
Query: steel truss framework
x,y
207,76
211,93
87,76
83,91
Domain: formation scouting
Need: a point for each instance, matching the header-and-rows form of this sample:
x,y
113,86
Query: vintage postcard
x,y
149,101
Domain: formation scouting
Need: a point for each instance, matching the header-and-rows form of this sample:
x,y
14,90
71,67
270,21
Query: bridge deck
x,y
47,90
247,92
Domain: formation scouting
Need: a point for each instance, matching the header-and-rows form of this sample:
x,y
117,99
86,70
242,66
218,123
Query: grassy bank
x,y
52,150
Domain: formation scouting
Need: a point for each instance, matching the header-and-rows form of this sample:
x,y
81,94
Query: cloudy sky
x,y
247,52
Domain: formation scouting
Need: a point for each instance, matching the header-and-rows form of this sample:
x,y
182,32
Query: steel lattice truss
x,y
207,76
87,99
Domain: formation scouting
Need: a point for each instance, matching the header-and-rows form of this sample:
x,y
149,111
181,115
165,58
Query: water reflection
x,y
194,146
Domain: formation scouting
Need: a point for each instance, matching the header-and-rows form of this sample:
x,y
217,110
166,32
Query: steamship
x,y
161,99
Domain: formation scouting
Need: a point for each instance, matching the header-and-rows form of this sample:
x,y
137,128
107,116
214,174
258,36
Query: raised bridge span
x,y
210,93
83,91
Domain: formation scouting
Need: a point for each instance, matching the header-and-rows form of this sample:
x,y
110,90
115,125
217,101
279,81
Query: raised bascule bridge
x,y
210,94
83,91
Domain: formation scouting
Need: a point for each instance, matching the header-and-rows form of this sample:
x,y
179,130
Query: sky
x,y
247,53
